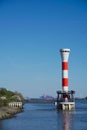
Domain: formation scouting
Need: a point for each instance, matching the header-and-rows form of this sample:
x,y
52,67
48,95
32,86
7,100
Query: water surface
x,y
46,117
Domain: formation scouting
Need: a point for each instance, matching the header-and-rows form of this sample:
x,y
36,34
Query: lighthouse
x,y
64,56
65,97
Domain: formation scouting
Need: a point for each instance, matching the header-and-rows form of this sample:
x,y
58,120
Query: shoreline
x,y
9,112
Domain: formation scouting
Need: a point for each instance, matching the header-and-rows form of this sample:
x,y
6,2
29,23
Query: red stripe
x,y
64,65
65,82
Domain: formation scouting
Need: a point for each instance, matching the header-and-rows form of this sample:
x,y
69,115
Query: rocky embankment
x,y
8,112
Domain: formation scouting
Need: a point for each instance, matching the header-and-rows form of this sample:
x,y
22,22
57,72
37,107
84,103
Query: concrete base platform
x,y
66,105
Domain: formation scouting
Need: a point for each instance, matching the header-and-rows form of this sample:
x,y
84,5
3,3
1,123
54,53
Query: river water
x,y
46,117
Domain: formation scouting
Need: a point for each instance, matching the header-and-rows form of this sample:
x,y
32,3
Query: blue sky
x,y
31,34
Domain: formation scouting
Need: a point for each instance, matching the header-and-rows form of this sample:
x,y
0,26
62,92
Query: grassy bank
x,y
8,112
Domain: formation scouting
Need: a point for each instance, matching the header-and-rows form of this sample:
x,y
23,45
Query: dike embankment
x,y
9,112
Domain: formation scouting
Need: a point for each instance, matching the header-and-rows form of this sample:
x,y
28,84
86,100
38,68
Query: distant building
x,y
3,97
46,97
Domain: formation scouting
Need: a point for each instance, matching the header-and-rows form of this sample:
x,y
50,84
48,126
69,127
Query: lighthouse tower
x,y
64,56
65,99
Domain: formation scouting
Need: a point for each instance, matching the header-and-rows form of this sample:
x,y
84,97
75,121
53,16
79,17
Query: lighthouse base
x,y
66,105
65,100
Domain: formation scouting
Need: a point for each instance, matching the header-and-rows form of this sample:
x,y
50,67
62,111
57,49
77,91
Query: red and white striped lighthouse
x,y
65,98
65,55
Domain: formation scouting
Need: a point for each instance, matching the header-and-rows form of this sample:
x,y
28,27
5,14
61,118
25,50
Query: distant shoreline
x,y
44,101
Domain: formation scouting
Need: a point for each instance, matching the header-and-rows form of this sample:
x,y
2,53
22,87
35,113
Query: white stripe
x,y
64,60
65,88
64,73
64,56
